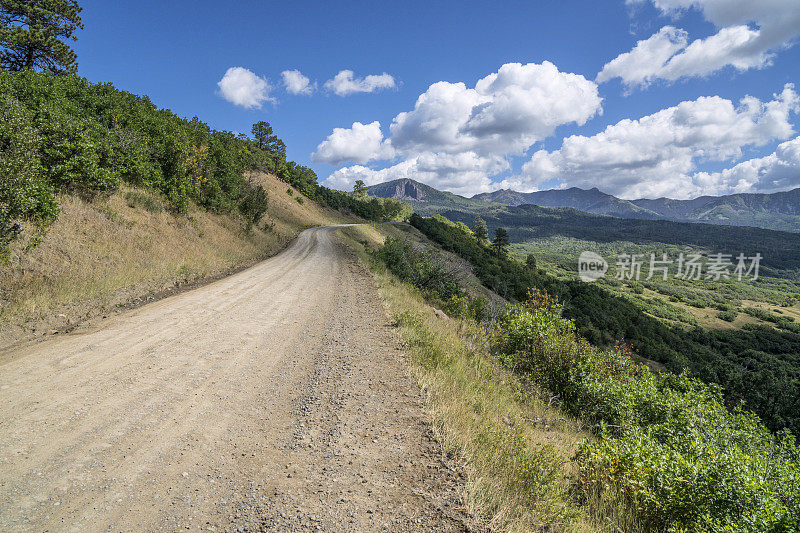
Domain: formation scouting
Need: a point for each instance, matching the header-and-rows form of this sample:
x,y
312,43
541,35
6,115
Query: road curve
x,y
275,398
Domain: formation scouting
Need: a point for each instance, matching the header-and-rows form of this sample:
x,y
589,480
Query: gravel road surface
x,y
274,399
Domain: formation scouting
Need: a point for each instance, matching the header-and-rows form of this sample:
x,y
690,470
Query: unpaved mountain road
x,y
274,399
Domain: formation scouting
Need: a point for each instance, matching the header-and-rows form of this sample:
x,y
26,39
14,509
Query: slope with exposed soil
x,y
128,248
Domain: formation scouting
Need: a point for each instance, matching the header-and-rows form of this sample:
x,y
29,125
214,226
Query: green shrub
x,y
25,194
420,269
728,316
253,203
667,443
144,200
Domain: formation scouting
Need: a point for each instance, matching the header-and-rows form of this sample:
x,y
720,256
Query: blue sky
x,y
540,125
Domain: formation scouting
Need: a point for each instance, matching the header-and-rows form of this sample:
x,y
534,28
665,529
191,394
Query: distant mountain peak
x,y
779,211
408,189
405,189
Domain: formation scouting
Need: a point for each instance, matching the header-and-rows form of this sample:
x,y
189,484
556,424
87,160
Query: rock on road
x,y
273,399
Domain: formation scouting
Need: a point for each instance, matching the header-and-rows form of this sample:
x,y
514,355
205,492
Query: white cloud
x,y
296,83
779,171
345,83
647,58
463,173
242,87
359,144
458,137
736,44
728,12
657,154
506,112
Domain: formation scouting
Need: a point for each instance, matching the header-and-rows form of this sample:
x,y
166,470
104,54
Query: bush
x,y
419,269
144,200
253,203
666,443
25,194
728,316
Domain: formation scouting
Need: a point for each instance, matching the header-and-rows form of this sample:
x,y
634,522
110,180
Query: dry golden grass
x,y
792,312
104,253
706,316
515,445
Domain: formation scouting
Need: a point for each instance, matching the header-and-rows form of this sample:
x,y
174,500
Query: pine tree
x,y
480,230
500,240
267,140
359,189
33,35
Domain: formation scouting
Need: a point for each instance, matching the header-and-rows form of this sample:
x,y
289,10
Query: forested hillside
x,y
781,250
64,134
425,199
106,200
758,364
663,452
777,211
591,201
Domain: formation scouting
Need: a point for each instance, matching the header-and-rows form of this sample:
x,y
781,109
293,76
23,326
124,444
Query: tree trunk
x,y
29,58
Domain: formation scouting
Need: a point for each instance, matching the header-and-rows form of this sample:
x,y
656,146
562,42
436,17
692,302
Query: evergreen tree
x,y
267,140
33,35
480,230
360,189
530,262
500,240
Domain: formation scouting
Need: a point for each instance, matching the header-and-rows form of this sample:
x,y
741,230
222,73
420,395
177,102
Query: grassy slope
x,y
515,447
124,249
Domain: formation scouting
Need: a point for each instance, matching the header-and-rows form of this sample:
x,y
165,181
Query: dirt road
x,y
272,399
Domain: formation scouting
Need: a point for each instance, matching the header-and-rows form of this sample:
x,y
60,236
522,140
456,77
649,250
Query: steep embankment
x,y
128,248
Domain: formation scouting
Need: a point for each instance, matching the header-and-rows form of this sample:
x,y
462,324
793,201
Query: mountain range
x,y
779,211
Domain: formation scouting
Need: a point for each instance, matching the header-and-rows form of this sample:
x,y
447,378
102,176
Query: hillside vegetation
x,y
126,248
106,199
780,249
65,135
758,364
575,437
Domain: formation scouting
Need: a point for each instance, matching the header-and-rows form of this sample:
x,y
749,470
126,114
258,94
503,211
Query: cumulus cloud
x,y
359,144
458,136
244,88
462,173
669,56
647,58
778,171
657,155
296,83
345,83
506,112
